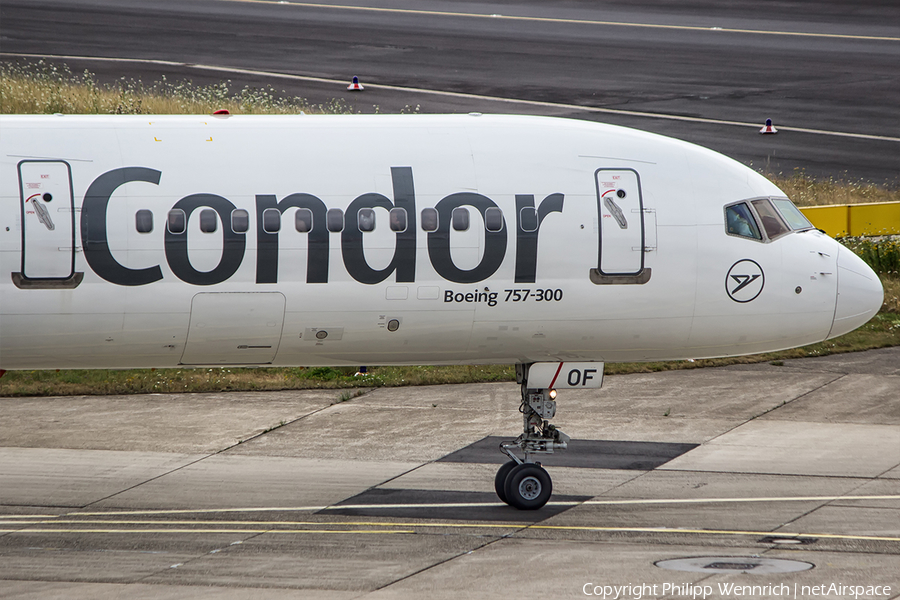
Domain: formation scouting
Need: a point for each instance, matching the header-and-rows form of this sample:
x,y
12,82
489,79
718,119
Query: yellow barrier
x,y
877,218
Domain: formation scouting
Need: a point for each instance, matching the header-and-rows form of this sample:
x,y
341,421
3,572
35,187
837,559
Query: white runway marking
x,y
395,88
439,13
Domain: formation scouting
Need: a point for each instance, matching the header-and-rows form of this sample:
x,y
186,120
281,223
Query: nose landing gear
x,y
523,483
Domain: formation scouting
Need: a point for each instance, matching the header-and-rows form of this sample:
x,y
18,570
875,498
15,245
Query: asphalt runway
x,y
740,470
824,71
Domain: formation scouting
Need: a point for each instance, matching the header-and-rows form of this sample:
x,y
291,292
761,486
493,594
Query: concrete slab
x,y
866,398
189,423
68,564
875,487
798,448
251,482
37,590
695,393
702,487
875,362
564,566
322,562
73,478
892,474
850,520
713,516
768,434
408,424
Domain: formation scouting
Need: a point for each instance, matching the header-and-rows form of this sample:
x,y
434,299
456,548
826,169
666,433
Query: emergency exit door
x,y
48,220
621,214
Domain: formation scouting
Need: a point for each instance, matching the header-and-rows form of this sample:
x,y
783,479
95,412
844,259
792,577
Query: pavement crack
x,y
774,408
188,561
202,458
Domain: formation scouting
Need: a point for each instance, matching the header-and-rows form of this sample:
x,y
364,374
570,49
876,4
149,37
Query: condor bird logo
x,y
745,281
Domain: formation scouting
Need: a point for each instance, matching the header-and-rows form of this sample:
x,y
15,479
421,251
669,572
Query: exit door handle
x,y
43,214
616,212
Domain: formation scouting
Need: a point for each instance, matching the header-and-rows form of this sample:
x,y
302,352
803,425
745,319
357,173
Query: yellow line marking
x,y
439,13
720,532
463,95
75,530
511,525
188,511
732,500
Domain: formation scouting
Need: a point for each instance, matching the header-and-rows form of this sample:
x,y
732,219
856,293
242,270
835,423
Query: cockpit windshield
x,y
795,219
740,221
771,221
773,216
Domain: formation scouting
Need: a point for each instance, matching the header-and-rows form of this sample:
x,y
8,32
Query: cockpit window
x,y
740,221
795,219
770,220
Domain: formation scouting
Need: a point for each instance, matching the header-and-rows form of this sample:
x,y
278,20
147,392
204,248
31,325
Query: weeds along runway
x,y
390,494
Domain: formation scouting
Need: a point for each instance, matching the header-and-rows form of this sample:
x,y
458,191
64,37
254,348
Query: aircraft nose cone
x,y
860,293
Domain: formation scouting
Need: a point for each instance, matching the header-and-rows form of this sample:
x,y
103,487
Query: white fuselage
x,y
194,240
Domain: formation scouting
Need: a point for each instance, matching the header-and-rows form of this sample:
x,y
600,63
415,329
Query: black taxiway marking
x,y
584,454
446,505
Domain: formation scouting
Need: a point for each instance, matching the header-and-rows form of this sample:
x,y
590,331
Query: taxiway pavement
x,y
390,495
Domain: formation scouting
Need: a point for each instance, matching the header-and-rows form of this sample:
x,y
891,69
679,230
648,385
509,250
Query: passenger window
x,y
795,219
459,218
740,221
334,220
271,220
398,219
208,220
143,221
240,220
175,221
303,221
770,220
429,219
493,219
365,218
528,218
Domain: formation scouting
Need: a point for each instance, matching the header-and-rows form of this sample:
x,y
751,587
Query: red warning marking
x,y
558,369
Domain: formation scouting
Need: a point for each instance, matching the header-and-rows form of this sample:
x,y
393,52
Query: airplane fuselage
x,y
345,240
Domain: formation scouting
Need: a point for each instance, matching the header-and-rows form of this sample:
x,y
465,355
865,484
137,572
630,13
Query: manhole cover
x,y
734,564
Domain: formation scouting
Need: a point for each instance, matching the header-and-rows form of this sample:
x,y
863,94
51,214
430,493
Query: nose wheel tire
x,y
500,479
527,487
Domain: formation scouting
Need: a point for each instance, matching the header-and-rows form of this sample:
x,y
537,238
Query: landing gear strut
x,y
523,483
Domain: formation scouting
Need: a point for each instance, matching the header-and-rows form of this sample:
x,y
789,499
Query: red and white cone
x,y
356,86
768,128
